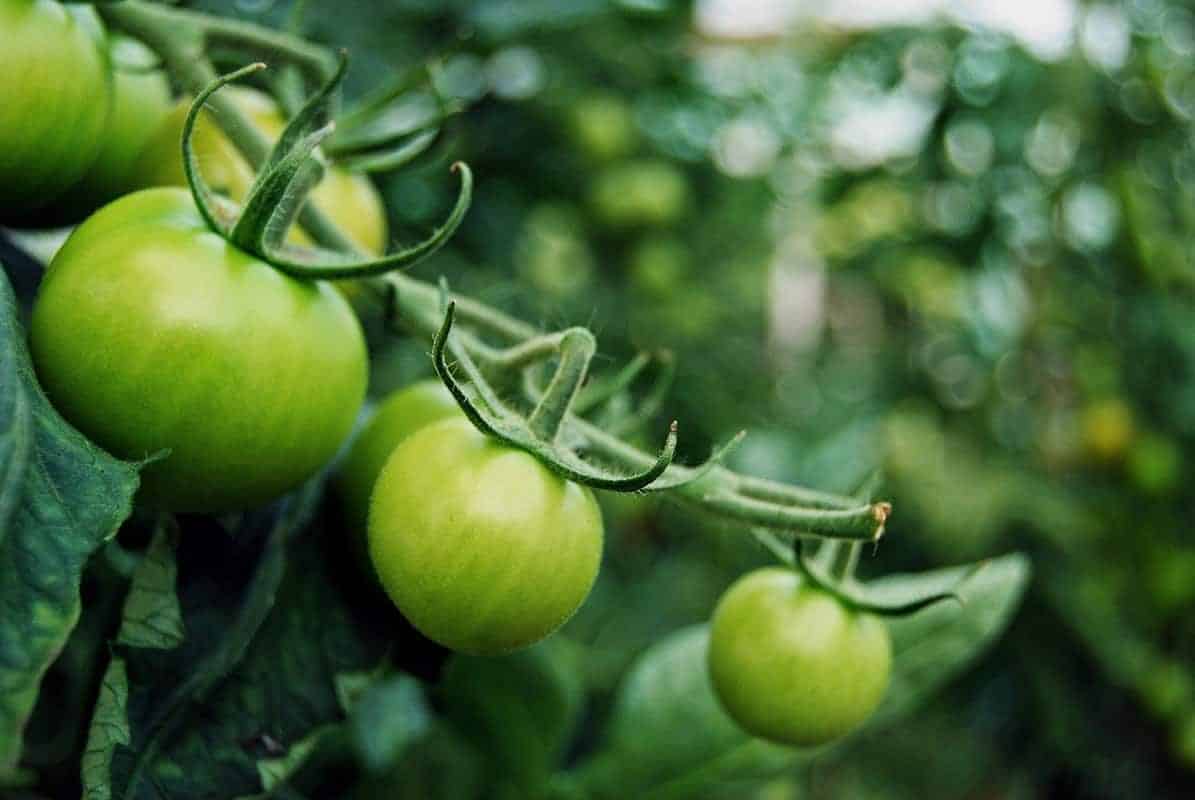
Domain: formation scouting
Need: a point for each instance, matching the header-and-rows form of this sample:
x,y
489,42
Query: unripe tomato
x,y
602,125
140,103
640,193
791,664
481,546
350,200
152,333
54,102
397,417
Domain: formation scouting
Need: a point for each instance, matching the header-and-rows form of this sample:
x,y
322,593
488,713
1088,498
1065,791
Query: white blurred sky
x,y
1044,27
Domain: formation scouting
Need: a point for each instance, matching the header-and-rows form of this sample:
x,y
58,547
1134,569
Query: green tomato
x,y
792,665
602,125
140,103
152,333
54,102
396,418
481,546
640,193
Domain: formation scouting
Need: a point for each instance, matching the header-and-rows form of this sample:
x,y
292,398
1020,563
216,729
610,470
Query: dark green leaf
x,y
60,499
519,710
244,700
386,718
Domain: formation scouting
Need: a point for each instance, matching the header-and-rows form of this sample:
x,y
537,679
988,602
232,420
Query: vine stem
x,y
181,39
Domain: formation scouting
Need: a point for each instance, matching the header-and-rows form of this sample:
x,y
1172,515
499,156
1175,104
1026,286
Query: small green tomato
x,y
791,664
481,546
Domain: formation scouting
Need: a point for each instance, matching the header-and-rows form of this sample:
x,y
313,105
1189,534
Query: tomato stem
x,y
577,348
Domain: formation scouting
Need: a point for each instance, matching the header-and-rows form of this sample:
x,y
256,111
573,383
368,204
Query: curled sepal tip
x,y
862,597
576,469
322,264
697,473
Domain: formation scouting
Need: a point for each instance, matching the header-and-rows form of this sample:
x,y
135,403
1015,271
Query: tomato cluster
x,y
234,382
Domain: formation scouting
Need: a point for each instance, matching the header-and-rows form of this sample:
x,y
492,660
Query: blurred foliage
x,y
921,250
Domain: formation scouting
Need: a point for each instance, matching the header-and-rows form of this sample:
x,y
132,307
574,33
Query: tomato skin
x,y
349,199
150,332
140,103
398,416
790,664
482,547
54,102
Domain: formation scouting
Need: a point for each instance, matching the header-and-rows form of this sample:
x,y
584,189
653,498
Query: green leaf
x,y
668,737
60,499
937,643
244,700
388,716
520,710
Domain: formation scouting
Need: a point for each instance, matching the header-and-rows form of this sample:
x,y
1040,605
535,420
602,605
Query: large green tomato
x,y
396,418
54,102
482,547
152,333
350,200
140,104
791,664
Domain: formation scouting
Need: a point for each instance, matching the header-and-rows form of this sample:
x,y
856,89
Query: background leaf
x,y
935,644
519,710
60,499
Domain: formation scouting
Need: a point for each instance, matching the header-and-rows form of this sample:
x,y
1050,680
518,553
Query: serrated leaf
x,y
937,643
268,632
669,738
60,499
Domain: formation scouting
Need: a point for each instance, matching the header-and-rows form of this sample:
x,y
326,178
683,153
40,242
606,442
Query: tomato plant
x,y
481,546
151,334
187,475
790,663
55,105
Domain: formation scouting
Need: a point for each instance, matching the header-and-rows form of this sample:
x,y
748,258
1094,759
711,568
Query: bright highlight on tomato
x,y
791,664
152,333
482,547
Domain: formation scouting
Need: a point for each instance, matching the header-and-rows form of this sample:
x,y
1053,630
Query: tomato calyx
x,y
542,433
293,168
